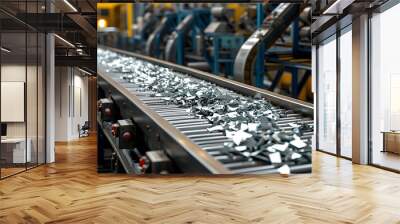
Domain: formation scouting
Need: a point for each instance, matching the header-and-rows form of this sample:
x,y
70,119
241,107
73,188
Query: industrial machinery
x,y
161,117
282,64
158,38
221,41
205,39
187,38
271,30
144,28
271,37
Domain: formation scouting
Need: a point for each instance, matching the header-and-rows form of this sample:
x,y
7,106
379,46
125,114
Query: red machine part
x,y
127,136
144,163
108,111
114,129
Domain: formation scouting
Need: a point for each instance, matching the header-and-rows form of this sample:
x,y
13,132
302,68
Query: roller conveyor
x,y
186,138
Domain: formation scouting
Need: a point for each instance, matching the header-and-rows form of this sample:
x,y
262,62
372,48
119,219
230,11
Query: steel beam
x,y
81,61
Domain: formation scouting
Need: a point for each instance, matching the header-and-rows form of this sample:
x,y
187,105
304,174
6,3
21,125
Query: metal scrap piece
x,y
298,143
281,147
275,157
240,136
284,170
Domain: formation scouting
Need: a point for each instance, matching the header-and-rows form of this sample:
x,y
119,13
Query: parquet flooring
x,y
11,170
71,191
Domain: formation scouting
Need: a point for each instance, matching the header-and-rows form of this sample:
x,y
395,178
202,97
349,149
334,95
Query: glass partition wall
x,y
345,92
326,95
334,94
22,77
334,115
385,89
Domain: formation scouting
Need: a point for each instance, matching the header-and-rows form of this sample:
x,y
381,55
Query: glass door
x,y
15,150
22,95
385,89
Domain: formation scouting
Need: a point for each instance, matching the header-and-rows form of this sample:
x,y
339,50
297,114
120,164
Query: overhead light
x,y
5,50
101,23
80,51
84,71
64,40
70,5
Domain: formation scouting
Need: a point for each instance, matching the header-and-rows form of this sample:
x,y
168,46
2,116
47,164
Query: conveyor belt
x,y
185,137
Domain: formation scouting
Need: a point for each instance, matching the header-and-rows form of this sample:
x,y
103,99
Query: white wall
x,y
62,81
81,102
71,94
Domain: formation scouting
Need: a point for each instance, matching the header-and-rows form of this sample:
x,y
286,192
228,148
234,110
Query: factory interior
x,y
208,41
256,112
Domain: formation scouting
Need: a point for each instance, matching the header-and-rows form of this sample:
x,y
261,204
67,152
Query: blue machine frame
x,y
221,42
167,26
293,68
201,19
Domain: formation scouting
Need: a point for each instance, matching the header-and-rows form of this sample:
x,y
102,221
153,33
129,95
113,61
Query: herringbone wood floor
x,y
70,191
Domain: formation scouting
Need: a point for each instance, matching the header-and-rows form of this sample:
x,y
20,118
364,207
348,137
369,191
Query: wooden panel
x,y
392,142
92,101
